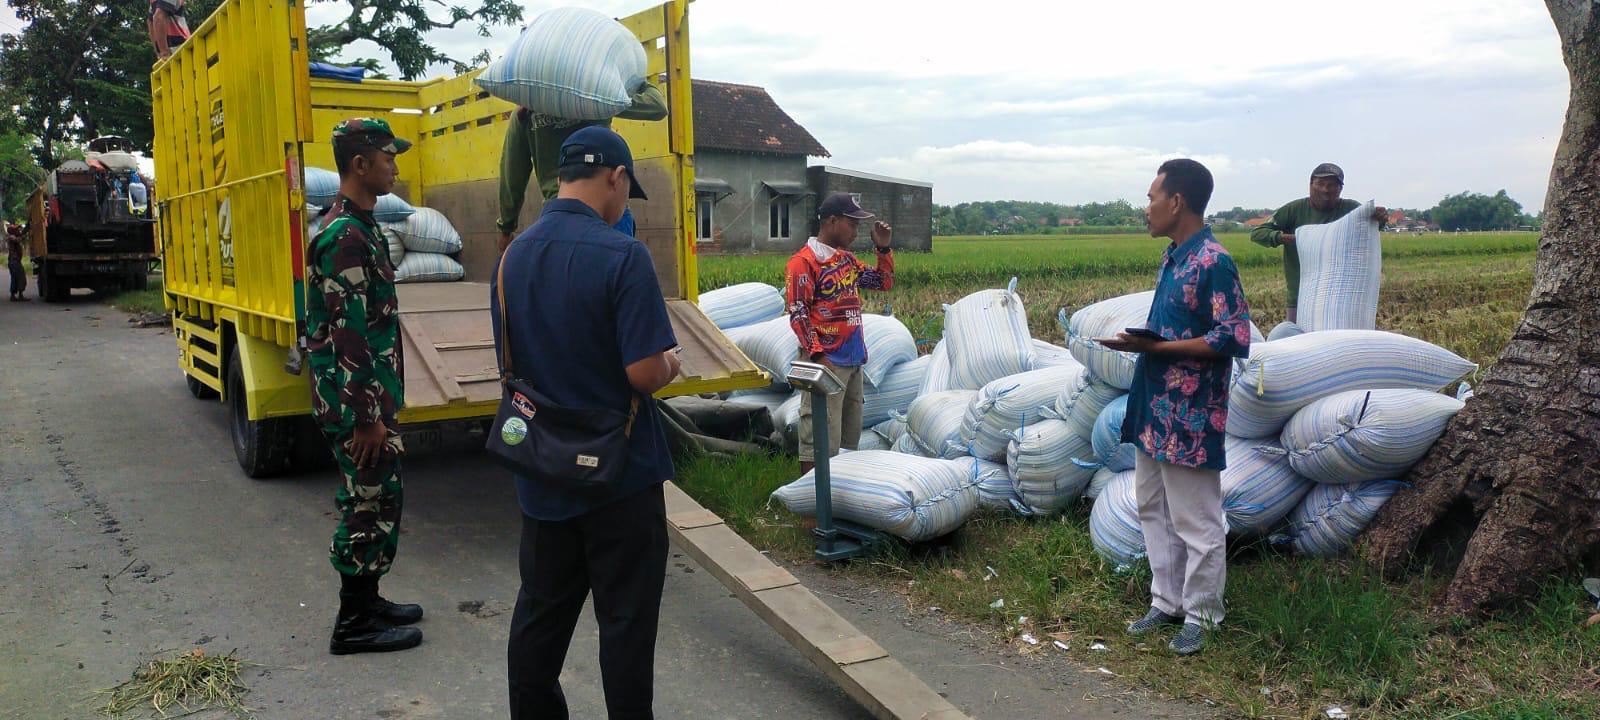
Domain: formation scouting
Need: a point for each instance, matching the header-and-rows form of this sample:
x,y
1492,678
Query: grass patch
x,y
187,684
1302,634
138,302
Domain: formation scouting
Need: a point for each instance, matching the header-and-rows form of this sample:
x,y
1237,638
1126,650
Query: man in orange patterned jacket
x,y
822,287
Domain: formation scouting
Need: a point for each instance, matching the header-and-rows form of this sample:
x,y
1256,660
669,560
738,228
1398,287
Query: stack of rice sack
x,y
421,241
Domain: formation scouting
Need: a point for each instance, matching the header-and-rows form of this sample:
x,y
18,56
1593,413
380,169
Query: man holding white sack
x,y
1321,206
1178,407
533,146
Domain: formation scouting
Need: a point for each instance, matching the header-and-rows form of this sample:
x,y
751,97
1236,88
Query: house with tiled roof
x,y
754,192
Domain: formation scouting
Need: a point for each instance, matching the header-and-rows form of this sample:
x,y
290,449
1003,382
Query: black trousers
x,y
620,552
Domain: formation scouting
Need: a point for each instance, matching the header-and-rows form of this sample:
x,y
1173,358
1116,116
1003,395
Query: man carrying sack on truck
x,y
533,145
353,338
1178,407
822,286
1323,205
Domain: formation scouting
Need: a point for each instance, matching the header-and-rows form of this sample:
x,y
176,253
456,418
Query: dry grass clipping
x,y
187,684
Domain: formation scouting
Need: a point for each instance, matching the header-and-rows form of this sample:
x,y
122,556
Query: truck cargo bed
x,y
450,357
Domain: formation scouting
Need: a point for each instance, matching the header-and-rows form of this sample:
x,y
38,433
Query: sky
x,y
1070,101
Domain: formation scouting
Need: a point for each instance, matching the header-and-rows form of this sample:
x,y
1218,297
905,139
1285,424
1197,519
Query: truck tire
x,y
311,452
200,390
50,287
138,280
261,446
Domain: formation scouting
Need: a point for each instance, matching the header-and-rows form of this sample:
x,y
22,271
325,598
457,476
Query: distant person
x,y
353,335
586,325
533,146
822,285
1178,408
19,278
167,25
1323,205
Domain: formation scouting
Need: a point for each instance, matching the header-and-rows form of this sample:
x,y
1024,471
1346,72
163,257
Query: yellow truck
x,y
238,118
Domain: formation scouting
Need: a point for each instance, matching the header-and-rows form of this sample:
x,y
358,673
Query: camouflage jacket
x,y
353,322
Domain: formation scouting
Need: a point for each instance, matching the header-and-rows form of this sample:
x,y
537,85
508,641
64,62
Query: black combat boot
x,y
359,628
395,613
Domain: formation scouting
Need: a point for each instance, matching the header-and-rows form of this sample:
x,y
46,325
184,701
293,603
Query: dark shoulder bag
x,y
582,449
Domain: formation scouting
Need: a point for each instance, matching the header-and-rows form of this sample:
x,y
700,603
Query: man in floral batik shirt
x,y
1178,407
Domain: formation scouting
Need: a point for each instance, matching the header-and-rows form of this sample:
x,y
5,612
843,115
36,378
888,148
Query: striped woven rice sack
x,y
1099,481
770,399
1105,319
1341,266
871,441
994,483
743,304
397,247
1366,434
1080,402
1047,355
934,422
570,63
1114,523
1258,487
428,267
1039,460
937,378
891,429
427,230
391,208
771,345
988,338
889,343
909,497
1106,439
907,445
1283,376
895,393
1330,518
1009,404
321,187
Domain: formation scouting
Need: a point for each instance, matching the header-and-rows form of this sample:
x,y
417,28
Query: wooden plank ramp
x,y
847,656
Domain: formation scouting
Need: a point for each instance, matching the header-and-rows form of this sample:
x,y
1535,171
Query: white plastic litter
x,y
428,267
889,343
912,498
1105,319
935,422
1039,459
1341,266
1004,406
569,63
743,304
937,378
1366,434
426,230
1283,376
895,393
1331,517
988,338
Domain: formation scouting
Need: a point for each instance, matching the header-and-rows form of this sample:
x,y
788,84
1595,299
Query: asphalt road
x,y
127,530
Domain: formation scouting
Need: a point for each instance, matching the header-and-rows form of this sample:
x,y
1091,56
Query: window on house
x,y
778,219
703,216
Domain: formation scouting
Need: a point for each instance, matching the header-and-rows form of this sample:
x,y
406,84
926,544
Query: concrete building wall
x,y
741,221
905,204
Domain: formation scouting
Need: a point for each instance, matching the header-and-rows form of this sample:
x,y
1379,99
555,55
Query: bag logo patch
x,y
523,405
514,431
588,461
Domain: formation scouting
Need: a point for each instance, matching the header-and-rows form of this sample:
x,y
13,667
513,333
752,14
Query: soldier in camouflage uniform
x,y
353,335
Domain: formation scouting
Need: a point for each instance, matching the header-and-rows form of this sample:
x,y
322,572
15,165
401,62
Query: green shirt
x,y
1284,222
535,148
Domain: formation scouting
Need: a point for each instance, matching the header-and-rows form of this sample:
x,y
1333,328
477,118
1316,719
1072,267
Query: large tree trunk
x,y
1518,471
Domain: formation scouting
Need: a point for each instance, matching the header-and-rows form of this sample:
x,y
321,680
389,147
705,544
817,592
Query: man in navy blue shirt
x,y
1178,407
587,326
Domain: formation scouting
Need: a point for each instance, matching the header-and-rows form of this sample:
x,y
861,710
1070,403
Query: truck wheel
x,y
261,446
50,287
198,389
311,452
138,280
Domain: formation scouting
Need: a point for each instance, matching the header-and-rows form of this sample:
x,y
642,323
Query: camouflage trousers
x,y
369,509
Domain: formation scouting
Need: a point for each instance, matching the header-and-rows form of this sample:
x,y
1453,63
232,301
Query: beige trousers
x,y
1185,534
844,415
